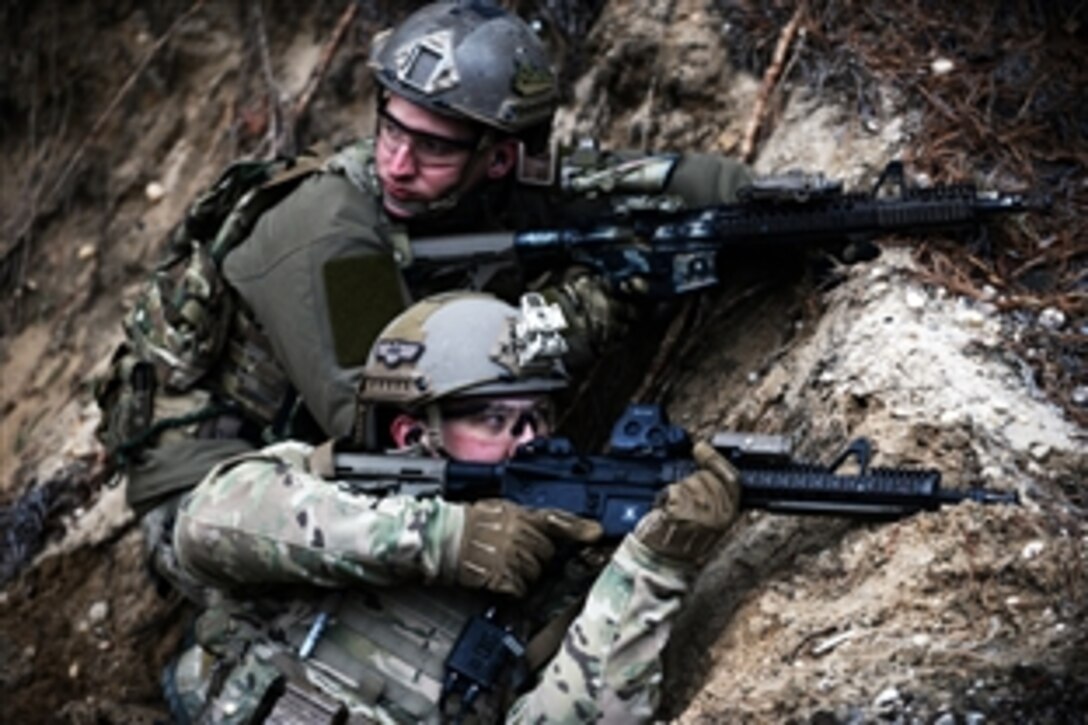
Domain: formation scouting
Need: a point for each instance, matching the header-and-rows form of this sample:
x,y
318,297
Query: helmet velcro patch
x,y
393,353
426,64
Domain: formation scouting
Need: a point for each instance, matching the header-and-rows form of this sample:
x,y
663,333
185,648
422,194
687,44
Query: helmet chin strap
x,y
426,209
432,432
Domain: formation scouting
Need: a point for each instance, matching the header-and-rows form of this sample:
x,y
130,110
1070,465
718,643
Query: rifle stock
x,y
647,454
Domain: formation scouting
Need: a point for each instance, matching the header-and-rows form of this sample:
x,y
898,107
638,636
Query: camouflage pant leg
x,y
608,668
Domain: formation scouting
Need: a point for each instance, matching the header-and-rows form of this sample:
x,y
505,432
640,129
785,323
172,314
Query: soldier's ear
x,y
504,156
405,430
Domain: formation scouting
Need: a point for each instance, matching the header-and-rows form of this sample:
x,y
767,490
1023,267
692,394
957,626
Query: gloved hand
x,y
691,516
504,546
596,316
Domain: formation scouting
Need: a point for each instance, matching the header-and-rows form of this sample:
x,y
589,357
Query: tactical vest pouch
x,y
184,314
249,375
244,685
484,656
181,319
186,681
247,695
126,397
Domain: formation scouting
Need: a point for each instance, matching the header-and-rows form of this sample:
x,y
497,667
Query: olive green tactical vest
x,y
192,350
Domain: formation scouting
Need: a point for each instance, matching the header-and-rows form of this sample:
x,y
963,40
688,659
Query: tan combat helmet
x,y
469,59
458,345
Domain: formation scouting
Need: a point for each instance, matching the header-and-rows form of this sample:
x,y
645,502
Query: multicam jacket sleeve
x,y
608,668
265,518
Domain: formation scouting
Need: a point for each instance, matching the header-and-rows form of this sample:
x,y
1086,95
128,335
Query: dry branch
x,y
322,67
770,80
665,355
274,136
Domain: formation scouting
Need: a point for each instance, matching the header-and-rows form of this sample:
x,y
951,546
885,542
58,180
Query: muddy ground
x,y
966,356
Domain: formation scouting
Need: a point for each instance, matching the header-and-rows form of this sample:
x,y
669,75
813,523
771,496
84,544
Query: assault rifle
x,y
675,251
646,454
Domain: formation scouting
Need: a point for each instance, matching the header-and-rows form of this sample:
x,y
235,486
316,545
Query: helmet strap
x,y
362,433
432,432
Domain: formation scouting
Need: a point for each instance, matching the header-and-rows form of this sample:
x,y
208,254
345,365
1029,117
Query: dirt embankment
x,y
966,358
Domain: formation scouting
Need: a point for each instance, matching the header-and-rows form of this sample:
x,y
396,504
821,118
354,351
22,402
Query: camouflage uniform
x,y
266,518
349,595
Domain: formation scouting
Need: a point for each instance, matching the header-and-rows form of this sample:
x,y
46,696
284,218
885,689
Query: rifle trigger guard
x,y
860,449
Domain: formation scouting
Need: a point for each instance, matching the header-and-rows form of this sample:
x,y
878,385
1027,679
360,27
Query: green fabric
x,y
176,467
363,294
280,273
706,179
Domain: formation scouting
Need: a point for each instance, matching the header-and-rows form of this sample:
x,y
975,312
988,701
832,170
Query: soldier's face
x,y
482,430
422,156
490,430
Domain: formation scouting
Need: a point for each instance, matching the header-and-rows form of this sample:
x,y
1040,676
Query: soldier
x,y
330,600
269,340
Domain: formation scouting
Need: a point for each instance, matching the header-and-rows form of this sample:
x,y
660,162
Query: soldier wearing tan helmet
x,y
328,599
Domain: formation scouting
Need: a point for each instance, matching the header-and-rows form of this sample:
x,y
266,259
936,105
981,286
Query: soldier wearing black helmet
x,y
465,87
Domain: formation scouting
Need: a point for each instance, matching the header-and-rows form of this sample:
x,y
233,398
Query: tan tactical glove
x,y
596,316
504,546
691,516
